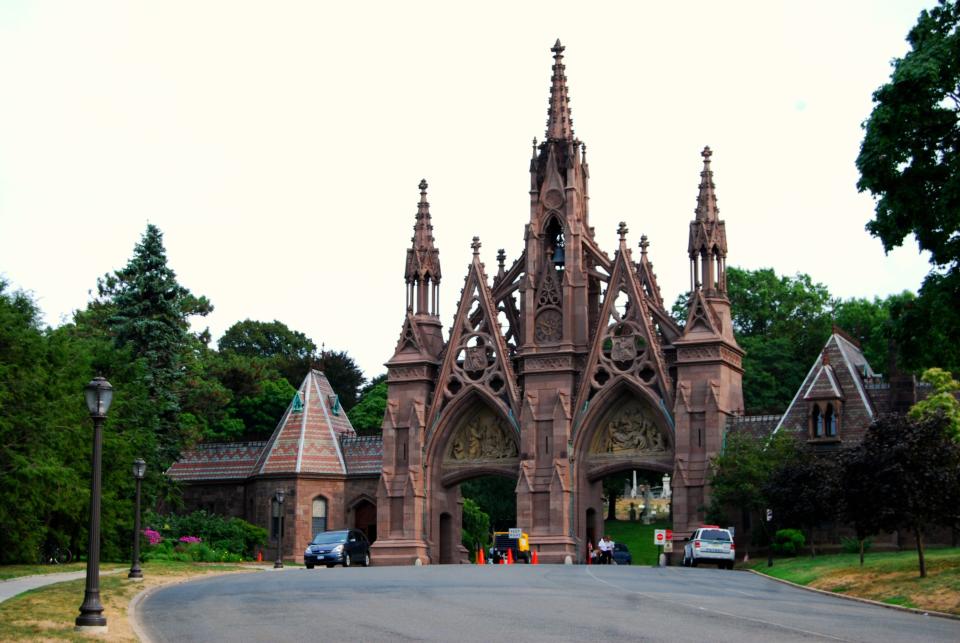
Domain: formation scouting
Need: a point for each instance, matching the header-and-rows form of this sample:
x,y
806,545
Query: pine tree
x,y
149,313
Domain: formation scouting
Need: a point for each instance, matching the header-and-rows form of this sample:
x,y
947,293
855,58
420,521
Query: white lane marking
x,y
713,611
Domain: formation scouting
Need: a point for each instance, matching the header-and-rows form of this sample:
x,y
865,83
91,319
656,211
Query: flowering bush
x,y
189,539
153,536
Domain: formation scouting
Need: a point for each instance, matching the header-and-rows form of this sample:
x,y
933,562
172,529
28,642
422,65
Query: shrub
x,y
852,545
218,533
788,542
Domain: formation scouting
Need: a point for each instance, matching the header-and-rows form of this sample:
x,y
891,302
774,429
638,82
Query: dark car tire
x,y
346,560
366,559
309,565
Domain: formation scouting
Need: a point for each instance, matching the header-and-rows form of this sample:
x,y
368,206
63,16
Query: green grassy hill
x,y
638,537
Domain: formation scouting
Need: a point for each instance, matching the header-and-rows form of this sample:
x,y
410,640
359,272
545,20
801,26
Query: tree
x,y
803,493
739,473
910,156
288,351
943,401
926,327
860,504
146,309
344,376
914,465
781,323
367,415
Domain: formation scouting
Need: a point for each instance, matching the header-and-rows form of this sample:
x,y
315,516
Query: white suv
x,y
710,544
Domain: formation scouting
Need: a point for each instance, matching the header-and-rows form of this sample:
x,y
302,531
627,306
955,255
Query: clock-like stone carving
x,y
549,327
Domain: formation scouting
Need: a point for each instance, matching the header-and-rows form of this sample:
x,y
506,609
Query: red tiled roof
x,y
221,461
363,454
307,440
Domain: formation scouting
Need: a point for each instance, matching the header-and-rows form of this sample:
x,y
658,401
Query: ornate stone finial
x,y
557,48
644,244
706,154
622,230
501,257
423,186
476,246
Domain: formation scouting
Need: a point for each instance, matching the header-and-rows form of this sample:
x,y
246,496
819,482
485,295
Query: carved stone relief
x,y
482,436
630,429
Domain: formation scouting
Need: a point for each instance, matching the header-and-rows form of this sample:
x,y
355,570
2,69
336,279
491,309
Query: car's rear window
x,y
715,534
330,537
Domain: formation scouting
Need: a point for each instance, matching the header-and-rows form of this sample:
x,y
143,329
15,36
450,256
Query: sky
x,y
278,145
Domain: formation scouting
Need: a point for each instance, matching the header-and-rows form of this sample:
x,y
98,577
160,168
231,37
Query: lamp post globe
x,y
98,394
139,470
278,508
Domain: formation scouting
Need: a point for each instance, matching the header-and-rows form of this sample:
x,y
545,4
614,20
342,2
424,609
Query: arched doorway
x,y
365,518
624,432
446,539
476,442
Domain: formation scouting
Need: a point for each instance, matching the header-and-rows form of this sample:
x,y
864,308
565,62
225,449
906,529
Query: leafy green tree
x,y
476,528
739,474
942,402
496,496
914,466
146,309
868,321
910,156
926,327
367,415
782,323
288,351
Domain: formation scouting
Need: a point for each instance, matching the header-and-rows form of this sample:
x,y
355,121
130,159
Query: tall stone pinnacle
x,y
559,121
707,199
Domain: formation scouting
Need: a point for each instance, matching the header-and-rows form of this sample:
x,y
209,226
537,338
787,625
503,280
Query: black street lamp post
x,y
278,514
98,394
771,535
139,469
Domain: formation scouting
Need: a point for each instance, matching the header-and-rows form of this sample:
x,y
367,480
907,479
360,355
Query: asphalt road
x,y
518,603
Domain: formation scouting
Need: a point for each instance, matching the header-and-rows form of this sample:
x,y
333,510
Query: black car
x,y
621,554
344,547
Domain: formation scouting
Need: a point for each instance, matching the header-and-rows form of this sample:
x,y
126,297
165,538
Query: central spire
x,y
707,199
559,122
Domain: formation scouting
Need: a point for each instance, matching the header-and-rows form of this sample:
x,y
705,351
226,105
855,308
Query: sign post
x,y
663,539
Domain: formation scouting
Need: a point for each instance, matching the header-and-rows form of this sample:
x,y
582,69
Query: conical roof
x,y
307,439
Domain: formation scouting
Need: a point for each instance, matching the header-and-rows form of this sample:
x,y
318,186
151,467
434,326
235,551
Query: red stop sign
x,y
659,537
669,534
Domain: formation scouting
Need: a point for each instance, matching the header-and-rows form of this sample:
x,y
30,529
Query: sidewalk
x,y
12,587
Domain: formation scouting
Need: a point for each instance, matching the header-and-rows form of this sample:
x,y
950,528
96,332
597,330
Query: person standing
x,y
606,550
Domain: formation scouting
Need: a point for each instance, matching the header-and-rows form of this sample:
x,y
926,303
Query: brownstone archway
x,y
474,438
624,428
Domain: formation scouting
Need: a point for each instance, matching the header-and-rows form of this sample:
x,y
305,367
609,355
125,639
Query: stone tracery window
x,y
824,420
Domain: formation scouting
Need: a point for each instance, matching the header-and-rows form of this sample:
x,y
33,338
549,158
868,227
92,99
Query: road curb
x,y
134,621
858,599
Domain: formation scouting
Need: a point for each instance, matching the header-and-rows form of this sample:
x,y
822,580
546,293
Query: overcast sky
x,y
278,145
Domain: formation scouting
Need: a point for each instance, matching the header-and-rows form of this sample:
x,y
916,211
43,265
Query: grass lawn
x,y
889,577
48,613
638,537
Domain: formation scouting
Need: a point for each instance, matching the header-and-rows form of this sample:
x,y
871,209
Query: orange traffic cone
x,y
480,560
509,556
503,561
534,560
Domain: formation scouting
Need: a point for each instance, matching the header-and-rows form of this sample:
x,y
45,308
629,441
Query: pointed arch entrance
x,y
474,439
623,430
